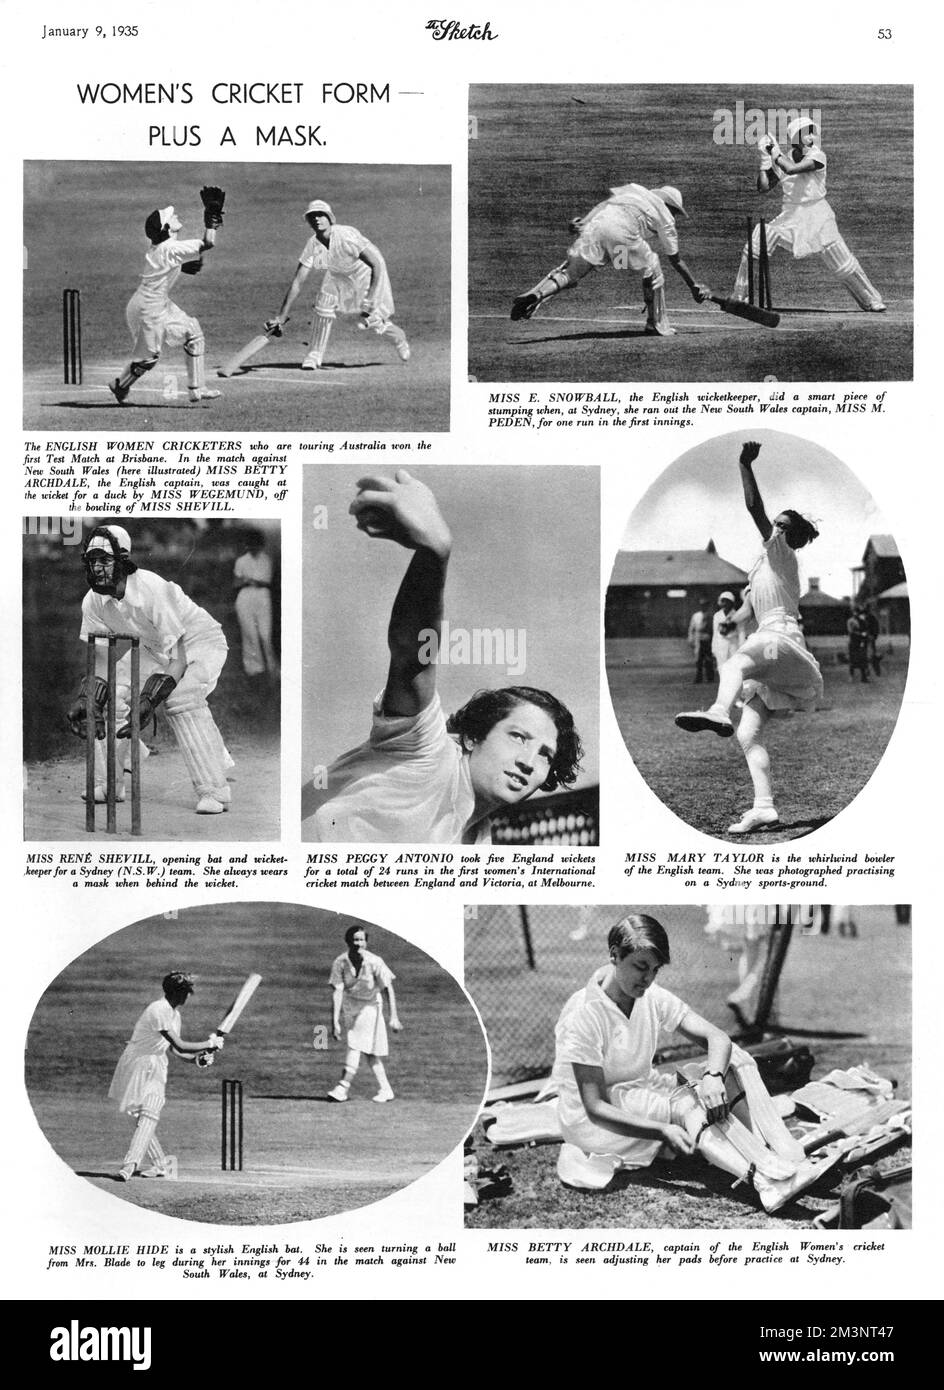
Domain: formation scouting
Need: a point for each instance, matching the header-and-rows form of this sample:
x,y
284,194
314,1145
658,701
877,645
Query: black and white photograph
x,y
151,678
253,1063
451,651
298,297
742,233
756,593
683,1067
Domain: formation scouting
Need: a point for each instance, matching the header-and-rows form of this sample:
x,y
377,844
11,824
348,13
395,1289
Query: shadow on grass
x,y
619,333
269,1095
325,370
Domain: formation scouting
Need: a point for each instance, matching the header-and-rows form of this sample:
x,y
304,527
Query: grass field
x,y
519,1008
304,1157
539,155
84,229
819,762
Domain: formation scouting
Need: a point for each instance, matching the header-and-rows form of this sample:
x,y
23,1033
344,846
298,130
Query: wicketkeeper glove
x,y
79,708
213,199
155,692
192,267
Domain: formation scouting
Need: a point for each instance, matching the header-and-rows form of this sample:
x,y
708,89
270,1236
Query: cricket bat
x,y
239,1003
740,310
254,346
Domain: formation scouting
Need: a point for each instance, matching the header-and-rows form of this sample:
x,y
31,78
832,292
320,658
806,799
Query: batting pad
x,y
195,348
765,1117
766,1161
200,744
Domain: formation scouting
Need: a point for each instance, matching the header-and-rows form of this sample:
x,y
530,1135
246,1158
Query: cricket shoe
x,y
125,1173
757,818
659,330
403,351
699,721
119,392
383,1095
167,1169
524,306
211,806
202,393
311,362
339,1093
101,794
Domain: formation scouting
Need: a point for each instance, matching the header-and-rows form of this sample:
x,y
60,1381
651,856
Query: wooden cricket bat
x,y
254,346
239,1003
740,310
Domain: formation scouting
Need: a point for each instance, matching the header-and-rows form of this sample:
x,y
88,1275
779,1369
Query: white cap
x,y
801,123
121,538
319,205
170,218
670,195
727,594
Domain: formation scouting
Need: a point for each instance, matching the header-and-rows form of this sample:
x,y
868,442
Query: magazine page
x,y
469,813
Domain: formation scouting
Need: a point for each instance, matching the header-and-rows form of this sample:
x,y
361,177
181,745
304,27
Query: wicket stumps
x,y
111,760
72,337
231,1132
763,298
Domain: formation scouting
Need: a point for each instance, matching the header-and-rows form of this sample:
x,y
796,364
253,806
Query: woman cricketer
x,y
359,980
140,1080
773,672
807,225
617,1110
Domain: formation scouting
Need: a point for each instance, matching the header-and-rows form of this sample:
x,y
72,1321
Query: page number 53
x,y
884,34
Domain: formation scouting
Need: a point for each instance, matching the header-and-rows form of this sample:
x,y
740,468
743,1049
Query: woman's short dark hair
x,y
476,719
351,932
802,529
179,983
638,932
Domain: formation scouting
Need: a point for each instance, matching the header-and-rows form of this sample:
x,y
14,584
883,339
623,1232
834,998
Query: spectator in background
x,y
858,636
699,639
252,576
873,632
724,629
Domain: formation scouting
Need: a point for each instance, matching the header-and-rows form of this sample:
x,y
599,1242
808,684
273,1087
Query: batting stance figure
x,y
140,1080
154,319
183,651
355,281
807,224
623,231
